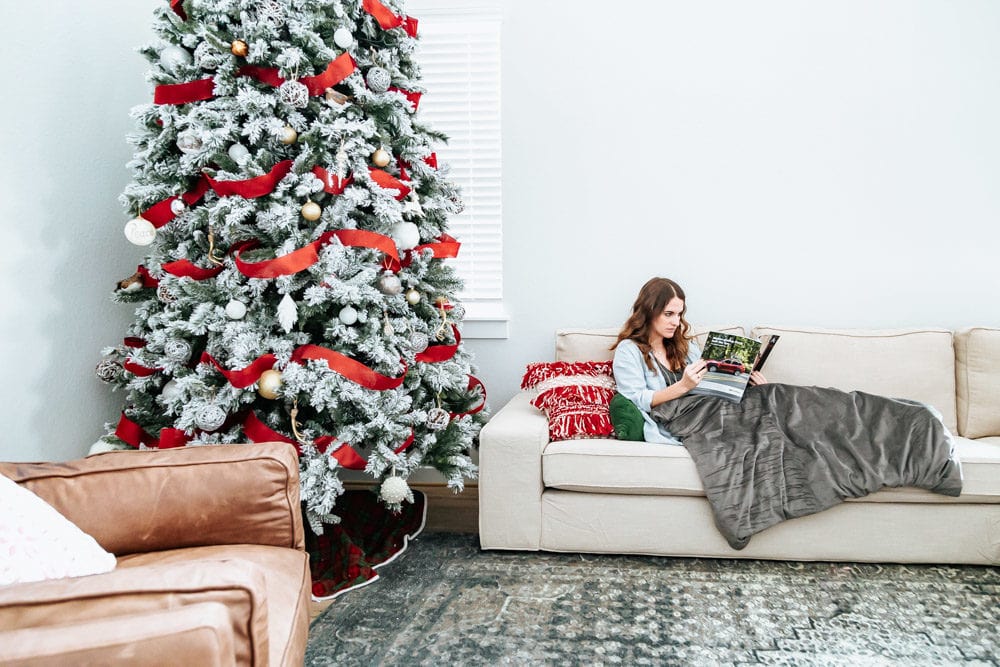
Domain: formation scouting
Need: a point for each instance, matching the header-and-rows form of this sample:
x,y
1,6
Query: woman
x,y
784,451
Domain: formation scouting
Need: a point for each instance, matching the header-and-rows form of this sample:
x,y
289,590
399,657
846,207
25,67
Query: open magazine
x,y
731,359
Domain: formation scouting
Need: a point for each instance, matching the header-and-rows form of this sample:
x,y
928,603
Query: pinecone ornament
x,y
108,370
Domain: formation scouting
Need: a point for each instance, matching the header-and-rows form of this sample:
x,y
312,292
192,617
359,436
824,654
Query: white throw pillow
x,y
37,542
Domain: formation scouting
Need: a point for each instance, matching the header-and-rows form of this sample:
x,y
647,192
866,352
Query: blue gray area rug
x,y
445,602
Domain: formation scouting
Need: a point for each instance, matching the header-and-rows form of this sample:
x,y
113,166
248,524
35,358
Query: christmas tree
x,y
296,285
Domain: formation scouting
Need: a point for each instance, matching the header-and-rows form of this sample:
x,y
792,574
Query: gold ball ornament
x,y
288,135
380,158
239,48
311,211
269,384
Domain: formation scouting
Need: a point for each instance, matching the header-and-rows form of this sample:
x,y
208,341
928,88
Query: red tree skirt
x,y
347,555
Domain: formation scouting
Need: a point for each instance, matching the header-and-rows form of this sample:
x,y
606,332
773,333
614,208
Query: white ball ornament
x,y
394,490
170,390
210,417
412,297
189,142
140,231
343,38
294,94
239,153
348,315
177,206
389,284
378,80
172,57
269,384
405,234
236,309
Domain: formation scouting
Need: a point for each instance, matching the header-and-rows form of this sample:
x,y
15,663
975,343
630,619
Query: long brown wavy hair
x,y
653,298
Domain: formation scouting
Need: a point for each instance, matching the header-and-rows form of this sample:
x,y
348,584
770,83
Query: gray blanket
x,y
787,451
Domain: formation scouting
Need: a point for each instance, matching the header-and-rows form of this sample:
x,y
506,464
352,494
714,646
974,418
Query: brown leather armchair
x,y
212,568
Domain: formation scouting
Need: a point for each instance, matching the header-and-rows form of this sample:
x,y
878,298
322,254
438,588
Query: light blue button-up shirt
x,y
637,382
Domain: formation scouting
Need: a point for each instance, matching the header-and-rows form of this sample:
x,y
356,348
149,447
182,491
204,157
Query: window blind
x,y
459,57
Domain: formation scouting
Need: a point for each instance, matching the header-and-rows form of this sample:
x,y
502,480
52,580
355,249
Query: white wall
x,y
851,147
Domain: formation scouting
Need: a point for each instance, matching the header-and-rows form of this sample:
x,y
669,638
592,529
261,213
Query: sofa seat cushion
x,y
287,584
642,468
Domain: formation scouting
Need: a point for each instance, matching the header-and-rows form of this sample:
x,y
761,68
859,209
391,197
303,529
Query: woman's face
x,y
665,324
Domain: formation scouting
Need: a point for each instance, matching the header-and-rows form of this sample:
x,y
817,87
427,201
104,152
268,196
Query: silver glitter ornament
x,y
177,350
208,57
389,283
419,341
108,370
294,94
378,80
437,419
210,417
177,206
457,312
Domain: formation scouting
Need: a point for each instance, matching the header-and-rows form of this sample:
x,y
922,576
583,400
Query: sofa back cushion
x,y
977,364
918,364
594,344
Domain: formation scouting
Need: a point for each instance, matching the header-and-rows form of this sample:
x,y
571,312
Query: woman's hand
x,y
693,373
756,378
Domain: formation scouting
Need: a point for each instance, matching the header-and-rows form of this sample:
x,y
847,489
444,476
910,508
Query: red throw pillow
x,y
574,396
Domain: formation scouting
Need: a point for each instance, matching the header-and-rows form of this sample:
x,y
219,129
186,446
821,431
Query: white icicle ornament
x,y
394,490
288,313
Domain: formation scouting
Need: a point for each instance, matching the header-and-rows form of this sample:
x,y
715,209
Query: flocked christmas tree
x,y
297,284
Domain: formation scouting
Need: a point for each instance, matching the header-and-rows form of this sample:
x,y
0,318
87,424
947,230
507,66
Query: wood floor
x,y
447,512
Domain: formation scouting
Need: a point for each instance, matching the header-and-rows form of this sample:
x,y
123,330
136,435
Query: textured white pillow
x,y
37,542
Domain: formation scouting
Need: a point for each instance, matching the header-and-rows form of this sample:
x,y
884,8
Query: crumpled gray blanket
x,y
786,451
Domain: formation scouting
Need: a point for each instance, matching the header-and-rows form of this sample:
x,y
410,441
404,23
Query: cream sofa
x,y
611,496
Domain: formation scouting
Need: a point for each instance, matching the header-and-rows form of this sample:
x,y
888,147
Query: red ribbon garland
x,y
134,435
176,5
244,377
183,268
134,368
252,188
350,368
473,383
339,69
346,456
445,247
412,96
332,184
147,280
182,93
306,256
160,213
388,20
437,353
386,180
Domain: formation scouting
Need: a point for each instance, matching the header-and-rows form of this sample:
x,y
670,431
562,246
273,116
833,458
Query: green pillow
x,y
626,418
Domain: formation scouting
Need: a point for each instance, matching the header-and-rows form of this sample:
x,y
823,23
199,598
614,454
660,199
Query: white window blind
x,y
459,56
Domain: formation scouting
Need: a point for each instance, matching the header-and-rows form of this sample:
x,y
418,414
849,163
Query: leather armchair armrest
x,y
151,500
197,634
93,614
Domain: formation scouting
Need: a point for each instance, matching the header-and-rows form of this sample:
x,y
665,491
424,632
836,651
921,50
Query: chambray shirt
x,y
637,382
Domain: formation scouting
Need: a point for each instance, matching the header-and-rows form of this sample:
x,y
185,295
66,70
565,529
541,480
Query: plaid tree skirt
x,y
347,554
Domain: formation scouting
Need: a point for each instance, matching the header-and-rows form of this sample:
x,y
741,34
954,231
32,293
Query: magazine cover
x,y
730,359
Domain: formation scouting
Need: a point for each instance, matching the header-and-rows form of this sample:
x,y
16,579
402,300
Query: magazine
x,y
731,359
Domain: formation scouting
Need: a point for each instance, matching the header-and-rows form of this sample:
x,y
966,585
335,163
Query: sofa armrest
x,y
510,476
78,605
197,634
151,500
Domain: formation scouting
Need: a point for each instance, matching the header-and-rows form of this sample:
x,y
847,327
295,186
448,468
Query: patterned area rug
x,y
445,602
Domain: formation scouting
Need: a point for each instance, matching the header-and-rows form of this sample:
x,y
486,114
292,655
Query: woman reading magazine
x,y
784,451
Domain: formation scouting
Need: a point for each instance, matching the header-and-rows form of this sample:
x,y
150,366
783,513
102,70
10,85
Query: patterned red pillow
x,y
574,396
